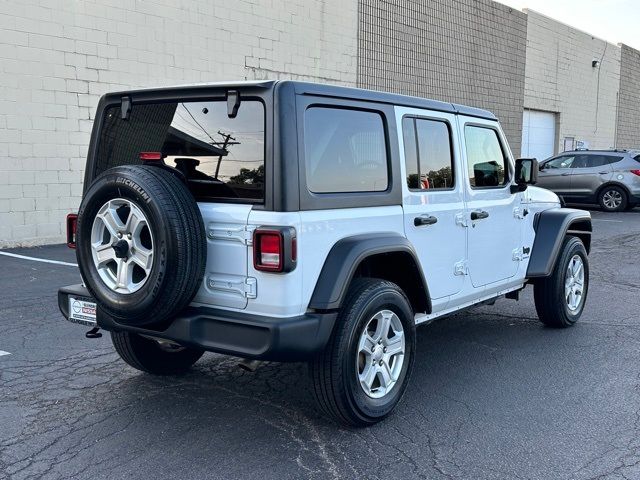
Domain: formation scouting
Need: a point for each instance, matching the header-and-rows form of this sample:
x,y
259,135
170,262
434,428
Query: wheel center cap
x,y
121,248
377,354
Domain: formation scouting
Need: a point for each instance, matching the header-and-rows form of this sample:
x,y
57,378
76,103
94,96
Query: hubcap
x,y
574,283
612,199
122,246
380,354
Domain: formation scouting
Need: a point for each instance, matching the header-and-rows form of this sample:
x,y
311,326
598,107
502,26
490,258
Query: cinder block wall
x,y
560,78
463,51
57,57
628,130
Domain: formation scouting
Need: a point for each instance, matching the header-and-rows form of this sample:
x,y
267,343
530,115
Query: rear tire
x,y
341,375
613,199
150,356
556,297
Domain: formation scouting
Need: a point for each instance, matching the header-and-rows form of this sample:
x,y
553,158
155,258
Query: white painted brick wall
x,y
559,78
58,56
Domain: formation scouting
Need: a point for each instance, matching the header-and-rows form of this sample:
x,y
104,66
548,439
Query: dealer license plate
x,y
82,311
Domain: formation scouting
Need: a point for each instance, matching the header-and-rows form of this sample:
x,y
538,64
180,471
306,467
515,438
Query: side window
x,y
594,161
584,161
487,162
560,162
428,154
345,151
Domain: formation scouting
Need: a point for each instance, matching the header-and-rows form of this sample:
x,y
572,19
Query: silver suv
x,y
608,177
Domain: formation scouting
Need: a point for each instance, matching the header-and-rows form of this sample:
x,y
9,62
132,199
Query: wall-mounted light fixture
x,y
595,63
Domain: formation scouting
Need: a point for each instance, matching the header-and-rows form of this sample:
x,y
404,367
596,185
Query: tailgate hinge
x,y
247,287
237,233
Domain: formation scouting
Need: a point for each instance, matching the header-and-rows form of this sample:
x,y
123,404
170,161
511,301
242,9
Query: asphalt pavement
x,y
494,394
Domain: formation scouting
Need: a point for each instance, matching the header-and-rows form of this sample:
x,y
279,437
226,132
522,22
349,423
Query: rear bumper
x,y
231,333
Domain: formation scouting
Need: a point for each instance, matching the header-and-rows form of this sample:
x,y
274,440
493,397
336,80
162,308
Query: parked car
x,y
314,223
610,178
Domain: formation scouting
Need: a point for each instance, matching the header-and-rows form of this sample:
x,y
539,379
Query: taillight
x,y
636,172
274,249
72,226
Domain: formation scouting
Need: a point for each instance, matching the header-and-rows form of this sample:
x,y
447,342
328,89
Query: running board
x,y
422,318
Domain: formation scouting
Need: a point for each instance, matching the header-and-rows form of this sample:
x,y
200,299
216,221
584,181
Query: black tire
x,y
149,356
179,244
618,193
334,373
549,293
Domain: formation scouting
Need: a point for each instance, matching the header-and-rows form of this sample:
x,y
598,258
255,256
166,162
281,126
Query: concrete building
x,y
58,56
571,94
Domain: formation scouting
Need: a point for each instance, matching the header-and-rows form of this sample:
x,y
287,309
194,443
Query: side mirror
x,y
526,174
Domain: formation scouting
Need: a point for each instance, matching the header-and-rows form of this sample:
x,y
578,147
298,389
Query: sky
x,y
617,21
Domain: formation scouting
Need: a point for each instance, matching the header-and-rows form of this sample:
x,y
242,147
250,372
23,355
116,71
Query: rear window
x,y
345,151
221,157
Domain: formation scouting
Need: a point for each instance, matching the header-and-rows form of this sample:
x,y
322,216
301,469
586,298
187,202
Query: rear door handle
x,y
603,173
565,174
479,215
424,220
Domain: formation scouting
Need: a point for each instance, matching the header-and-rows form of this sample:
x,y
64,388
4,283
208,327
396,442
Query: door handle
x,y
479,215
603,173
424,220
565,174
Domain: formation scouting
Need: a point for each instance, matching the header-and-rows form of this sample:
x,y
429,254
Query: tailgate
x,y
226,283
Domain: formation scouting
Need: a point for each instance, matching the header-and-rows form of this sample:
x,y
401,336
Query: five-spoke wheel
x,y
380,354
122,245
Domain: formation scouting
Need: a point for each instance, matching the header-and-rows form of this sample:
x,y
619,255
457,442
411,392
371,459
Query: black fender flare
x,y
343,260
551,227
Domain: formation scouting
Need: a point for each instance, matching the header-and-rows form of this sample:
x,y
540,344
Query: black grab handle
x,y
479,215
423,220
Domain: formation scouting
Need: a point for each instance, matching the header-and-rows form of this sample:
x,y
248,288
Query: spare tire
x,y
141,245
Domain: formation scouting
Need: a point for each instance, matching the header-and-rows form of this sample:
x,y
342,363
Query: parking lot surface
x,y
494,394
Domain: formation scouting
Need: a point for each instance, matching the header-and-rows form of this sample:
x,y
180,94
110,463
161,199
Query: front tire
x,y
363,372
560,298
152,356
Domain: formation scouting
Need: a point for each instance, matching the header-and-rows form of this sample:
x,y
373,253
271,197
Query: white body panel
x,y
493,240
492,249
442,245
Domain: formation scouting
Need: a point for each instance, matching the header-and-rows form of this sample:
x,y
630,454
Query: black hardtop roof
x,y
326,90
308,88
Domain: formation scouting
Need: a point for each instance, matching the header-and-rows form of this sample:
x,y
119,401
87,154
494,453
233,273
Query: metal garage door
x,y
538,134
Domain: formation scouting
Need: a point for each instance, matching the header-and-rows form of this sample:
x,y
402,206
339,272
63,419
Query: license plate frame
x,y
82,310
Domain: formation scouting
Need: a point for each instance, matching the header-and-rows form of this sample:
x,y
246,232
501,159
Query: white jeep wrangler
x,y
291,221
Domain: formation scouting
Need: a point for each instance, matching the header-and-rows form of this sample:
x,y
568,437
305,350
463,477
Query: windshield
x,y
221,157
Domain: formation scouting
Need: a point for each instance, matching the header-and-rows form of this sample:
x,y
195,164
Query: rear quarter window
x,y
345,151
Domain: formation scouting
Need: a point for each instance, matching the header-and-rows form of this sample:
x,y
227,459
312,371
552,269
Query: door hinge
x,y
461,219
520,254
520,213
247,287
461,268
234,233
